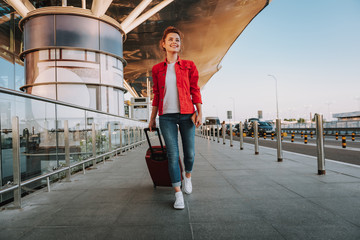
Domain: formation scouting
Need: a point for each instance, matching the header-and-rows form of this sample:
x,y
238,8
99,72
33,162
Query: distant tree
x,y
301,120
290,119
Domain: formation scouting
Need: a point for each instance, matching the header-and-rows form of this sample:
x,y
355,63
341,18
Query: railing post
x,y
278,140
93,134
231,136
110,134
320,144
241,135
217,128
256,139
16,161
120,138
67,149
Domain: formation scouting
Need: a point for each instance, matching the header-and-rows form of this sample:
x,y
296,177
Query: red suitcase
x,y
157,162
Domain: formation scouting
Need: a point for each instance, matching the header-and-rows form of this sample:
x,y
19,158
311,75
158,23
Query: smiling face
x,y
172,43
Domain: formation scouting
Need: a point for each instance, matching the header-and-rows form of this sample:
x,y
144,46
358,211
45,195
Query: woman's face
x,y
172,43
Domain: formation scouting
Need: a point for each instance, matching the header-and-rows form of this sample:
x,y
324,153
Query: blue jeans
x,y
169,129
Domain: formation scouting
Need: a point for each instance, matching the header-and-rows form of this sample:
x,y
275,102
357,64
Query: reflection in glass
x,y
77,31
6,74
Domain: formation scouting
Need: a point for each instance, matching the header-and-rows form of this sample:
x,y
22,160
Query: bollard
x,y
302,134
311,134
278,139
223,132
256,133
305,139
343,142
217,132
292,137
337,136
213,132
241,135
264,135
231,136
282,136
272,136
353,136
320,144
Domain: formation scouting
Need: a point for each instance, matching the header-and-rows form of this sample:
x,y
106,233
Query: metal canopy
x,y
210,27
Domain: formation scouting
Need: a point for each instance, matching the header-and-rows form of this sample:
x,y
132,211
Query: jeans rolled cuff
x,y
177,184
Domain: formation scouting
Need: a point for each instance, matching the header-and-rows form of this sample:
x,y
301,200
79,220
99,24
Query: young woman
x,y
176,91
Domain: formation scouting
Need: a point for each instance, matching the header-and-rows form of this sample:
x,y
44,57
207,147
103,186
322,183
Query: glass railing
x,y
53,136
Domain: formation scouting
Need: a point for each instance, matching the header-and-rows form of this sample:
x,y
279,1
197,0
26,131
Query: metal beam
x,y
22,7
135,13
99,7
147,15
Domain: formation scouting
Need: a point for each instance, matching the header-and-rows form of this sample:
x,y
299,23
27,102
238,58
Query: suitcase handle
x,y
146,130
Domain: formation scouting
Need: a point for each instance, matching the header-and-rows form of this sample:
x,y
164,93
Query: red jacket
x,y
187,78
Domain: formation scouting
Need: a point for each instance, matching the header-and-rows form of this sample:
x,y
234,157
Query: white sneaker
x,y
187,185
179,201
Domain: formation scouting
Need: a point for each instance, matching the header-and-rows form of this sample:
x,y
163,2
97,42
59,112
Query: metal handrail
x,y
14,187
48,100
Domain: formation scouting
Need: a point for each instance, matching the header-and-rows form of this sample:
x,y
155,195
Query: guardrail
x,y
54,137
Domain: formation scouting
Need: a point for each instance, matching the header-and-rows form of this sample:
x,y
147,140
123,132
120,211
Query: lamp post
x,y
277,105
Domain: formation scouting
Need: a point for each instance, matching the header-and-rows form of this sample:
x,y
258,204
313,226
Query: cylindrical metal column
x,y
320,144
67,149
256,139
217,133
223,132
278,140
241,135
16,161
93,135
231,136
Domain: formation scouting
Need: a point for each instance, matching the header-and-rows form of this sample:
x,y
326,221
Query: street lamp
x,y
277,105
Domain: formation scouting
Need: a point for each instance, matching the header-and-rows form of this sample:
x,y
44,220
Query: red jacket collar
x,y
178,61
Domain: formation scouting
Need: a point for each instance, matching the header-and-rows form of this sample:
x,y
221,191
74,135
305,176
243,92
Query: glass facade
x,y
11,67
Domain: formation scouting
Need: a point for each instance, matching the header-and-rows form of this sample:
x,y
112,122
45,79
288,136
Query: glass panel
x,y
76,31
111,72
19,76
6,74
110,39
73,54
77,134
39,32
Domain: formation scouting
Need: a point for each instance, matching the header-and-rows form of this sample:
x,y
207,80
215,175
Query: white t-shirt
x,y
171,99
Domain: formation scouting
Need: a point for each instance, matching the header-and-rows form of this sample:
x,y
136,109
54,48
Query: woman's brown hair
x,y
168,30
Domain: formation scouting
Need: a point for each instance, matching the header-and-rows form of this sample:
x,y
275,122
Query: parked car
x,y
210,122
263,127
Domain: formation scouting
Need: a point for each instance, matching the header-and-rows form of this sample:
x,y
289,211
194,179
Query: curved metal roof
x,y
210,27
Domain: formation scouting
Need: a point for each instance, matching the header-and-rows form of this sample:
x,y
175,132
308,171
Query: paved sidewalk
x,y
236,195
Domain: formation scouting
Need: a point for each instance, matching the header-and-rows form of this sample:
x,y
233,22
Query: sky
x,y
312,48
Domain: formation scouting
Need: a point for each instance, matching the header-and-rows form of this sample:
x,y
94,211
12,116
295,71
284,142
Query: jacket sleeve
x,y
155,87
194,88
